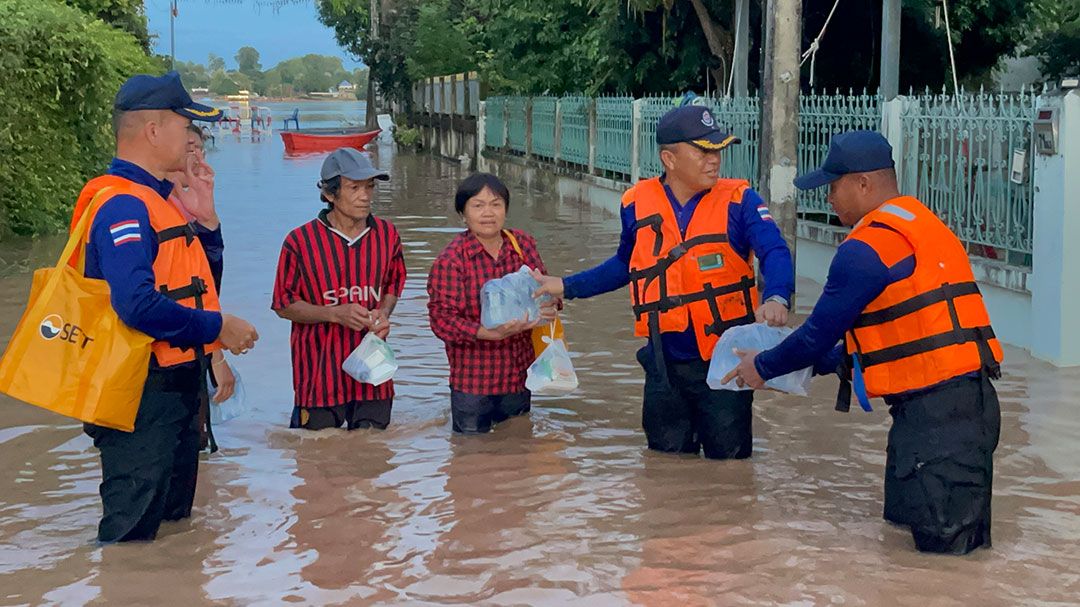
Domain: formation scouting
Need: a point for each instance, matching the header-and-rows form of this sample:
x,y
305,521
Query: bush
x,y
61,70
407,137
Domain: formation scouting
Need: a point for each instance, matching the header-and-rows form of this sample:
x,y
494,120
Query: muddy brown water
x,y
562,507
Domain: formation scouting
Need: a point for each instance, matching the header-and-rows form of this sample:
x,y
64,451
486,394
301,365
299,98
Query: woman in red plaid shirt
x,y
487,366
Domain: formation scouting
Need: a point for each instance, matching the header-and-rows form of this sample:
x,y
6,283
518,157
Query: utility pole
x,y
741,60
371,117
890,49
172,34
780,113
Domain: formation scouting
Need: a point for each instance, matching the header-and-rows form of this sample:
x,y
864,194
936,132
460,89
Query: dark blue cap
x,y
145,92
850,152
693,124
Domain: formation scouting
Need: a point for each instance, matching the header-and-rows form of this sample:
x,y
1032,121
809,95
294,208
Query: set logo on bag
x,y
53,326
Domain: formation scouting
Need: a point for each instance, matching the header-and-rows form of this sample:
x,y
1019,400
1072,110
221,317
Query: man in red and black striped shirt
x,y
338,277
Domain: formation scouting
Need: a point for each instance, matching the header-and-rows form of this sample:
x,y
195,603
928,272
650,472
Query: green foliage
x,y
441,44
305,74
194,75
128,15
407,137
61,69
1057,41
247,62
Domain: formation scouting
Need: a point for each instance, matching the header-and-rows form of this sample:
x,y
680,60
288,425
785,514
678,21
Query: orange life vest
x,y
181,270
929,327
699,279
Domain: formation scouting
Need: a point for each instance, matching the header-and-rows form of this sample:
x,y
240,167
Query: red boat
x,y
306,141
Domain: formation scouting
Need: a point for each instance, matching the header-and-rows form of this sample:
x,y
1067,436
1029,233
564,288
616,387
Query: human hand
x,y
353,316
198,198
772,312
381,323
237,334
507,329
745,373
549,285
226,380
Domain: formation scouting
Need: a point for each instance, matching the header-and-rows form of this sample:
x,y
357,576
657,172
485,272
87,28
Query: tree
x,y
215,64
127,15
441,44
221,84
247,61
193,74
1057,39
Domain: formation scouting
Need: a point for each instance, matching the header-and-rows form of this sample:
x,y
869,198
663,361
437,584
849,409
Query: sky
x,y
205,27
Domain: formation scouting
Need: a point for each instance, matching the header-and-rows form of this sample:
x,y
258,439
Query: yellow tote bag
x,y
552,331
71,353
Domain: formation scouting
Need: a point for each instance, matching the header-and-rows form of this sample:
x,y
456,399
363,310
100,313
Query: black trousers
x,y
939,464
353,415
477,413
149,475
685,415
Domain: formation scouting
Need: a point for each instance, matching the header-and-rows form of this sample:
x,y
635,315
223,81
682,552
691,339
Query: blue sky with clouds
x,y
205,27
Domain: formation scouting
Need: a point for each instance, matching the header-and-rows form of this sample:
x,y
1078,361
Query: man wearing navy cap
x,y
162,284
688,243
902,301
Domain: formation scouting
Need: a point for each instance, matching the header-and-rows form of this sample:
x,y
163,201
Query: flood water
x,y
562,507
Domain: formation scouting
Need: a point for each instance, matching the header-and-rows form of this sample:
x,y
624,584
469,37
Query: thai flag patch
x,y
125,232
763,212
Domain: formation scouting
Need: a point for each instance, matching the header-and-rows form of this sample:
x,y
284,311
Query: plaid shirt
x,y
460,271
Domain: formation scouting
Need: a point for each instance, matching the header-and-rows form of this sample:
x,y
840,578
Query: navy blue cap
x,y
693,124
145,92
850,152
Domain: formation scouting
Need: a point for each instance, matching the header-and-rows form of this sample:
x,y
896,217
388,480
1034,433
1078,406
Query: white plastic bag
x,y
552,373
757,336
372,362
232,407
510,298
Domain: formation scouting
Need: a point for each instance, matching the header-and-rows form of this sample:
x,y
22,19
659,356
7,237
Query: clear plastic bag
x,y
372,362
232,407
757,336
510,298
552,373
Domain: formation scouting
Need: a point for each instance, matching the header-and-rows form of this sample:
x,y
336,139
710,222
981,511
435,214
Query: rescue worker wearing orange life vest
x,y
687,251
160,283
902,299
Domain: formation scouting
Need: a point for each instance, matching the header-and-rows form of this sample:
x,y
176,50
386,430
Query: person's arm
x,y
753,229
611,274
288,302
125,244
214,246
446,304
856,277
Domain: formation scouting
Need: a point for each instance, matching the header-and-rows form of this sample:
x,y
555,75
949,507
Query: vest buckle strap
x,y
186,231
195,289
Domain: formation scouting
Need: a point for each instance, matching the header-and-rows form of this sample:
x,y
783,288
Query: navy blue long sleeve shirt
x,y
121,250
856,277
750,229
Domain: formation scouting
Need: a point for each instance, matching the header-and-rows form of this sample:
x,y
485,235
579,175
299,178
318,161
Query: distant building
x,y
200,90
346,86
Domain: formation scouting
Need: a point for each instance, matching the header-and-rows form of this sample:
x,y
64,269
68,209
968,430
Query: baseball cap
x,y
350,163
145,92
850,152
693,124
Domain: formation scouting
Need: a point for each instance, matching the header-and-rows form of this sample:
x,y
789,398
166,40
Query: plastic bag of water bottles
x,y
552,373
372,362
510,298
232,407
757,336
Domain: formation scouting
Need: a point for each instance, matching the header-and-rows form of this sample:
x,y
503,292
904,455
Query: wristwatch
x,y
780,300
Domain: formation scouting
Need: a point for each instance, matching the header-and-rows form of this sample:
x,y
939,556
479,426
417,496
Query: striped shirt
x,y
320,266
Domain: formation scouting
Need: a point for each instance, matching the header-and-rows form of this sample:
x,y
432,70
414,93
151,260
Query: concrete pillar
x,y
635,141
892,129
528,127
1055,271
890,49
780,113
741,60
481,128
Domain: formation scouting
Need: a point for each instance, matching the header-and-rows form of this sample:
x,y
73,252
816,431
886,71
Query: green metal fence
x,y
495,122
970,158
820,117
614,129
543,127
516,120
574,129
